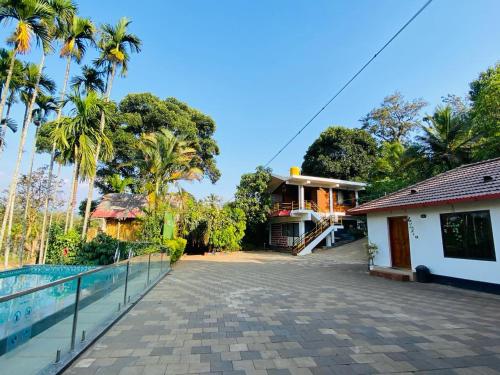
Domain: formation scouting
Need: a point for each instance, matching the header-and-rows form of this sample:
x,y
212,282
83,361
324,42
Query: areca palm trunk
x,y
3,131
46,209
13,185
6,87
27,206
90,194
72,199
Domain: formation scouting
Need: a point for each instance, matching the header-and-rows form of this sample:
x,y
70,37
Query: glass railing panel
x,y
101,299
137,278
34,327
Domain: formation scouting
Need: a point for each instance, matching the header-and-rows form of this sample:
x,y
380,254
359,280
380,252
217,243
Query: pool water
x,y
32,276
25,316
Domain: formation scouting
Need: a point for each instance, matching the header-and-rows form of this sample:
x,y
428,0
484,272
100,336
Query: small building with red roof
x,y
117,215
449,223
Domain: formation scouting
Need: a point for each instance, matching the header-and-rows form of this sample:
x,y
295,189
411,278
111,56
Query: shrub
x,y
63,248
175,248
100,251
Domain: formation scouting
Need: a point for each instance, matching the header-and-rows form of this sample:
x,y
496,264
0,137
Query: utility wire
x,y
350,81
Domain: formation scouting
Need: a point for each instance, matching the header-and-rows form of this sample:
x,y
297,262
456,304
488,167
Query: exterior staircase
x,y
304,244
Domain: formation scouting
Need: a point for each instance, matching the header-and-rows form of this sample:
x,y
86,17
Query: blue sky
x,y
262,68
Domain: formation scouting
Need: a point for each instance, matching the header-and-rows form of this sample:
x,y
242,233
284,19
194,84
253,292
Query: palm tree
x,y
75,33
29,17
164,159
33,81
90,80
115,45
15,85
447,138
46,104
119,184
78,135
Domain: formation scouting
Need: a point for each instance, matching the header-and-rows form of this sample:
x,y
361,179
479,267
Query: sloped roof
x,y
120,206
478,181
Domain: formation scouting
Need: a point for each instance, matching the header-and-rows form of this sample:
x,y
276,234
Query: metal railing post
x,y
126,284
75,313
149,267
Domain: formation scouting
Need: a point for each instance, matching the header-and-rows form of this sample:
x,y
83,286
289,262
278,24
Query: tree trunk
x,y
51,167
24,133
73,192
6,86
90,194
27,207
3,131
6,221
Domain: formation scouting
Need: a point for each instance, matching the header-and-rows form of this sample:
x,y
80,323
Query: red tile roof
x,y
472,182
120,206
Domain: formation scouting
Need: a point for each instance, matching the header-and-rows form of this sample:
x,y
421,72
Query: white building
x,y
307,210
449,223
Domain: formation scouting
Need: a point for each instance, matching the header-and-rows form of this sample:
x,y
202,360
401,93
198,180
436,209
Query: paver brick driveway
x,y
270,313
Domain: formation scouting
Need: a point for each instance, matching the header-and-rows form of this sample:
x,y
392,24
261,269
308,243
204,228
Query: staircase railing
x,y
299,243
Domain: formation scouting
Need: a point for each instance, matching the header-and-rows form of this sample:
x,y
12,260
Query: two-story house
x,y
307,210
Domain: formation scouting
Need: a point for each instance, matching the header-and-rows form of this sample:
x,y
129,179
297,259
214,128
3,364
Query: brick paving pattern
x,y
269,313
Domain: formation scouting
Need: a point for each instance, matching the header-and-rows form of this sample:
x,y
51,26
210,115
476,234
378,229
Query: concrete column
x,y
302,228
330,200
270,234
301,197
328,241
356,197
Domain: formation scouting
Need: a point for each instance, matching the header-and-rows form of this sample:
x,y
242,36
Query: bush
x,y
100,251
175,248
63,248
140,248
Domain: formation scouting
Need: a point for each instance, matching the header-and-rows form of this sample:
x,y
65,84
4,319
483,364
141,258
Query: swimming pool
x,y
32,276
26,316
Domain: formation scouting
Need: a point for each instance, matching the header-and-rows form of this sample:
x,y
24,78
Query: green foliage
x,y
254,200
146,113
206,224
83,204
228,229
395,119
63,248
341,153
175,248
485,112
100,251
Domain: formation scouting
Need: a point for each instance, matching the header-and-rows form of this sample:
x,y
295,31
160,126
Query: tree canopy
x,y
341,153
146,113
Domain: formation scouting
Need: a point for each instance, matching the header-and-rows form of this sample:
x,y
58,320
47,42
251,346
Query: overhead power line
x,y
349,82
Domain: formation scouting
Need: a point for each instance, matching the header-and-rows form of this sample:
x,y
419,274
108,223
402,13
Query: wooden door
x,y
400,242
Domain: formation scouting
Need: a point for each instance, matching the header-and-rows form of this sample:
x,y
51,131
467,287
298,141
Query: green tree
x,y
341,153
447,139
254,200
78,136
484,95
146,113
119,184
91,79
395,119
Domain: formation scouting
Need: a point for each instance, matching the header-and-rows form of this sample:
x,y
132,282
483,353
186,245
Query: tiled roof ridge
x,y
428,181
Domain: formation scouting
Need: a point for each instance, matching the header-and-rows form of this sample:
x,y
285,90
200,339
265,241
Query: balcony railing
x,y
279,207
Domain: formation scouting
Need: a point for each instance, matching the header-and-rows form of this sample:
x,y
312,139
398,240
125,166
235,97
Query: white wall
x,y
426,245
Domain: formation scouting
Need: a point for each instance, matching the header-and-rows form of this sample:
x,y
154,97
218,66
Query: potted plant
x,y
371,252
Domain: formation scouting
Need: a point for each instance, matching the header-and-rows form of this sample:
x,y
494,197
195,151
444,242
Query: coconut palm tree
x,y
29,17
78,135
115,46
90,80
33,81
447,138
46,105
163,159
